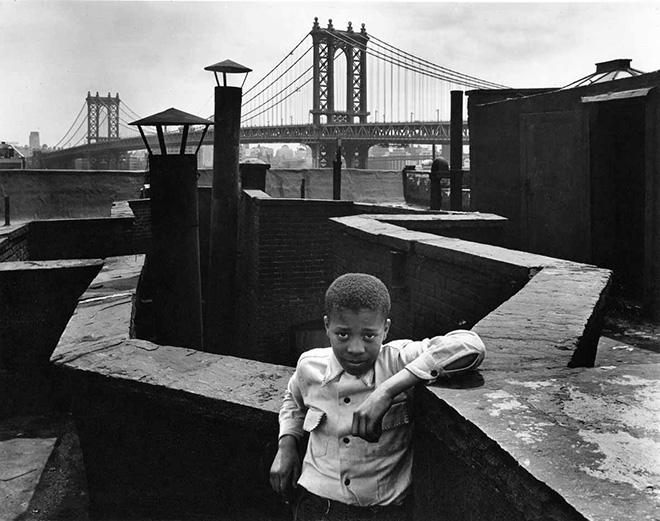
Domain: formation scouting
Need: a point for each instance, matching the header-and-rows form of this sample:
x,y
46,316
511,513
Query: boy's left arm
x,y
367,418
455,353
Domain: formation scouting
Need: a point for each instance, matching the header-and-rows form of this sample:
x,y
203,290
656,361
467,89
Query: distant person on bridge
x,y
354,399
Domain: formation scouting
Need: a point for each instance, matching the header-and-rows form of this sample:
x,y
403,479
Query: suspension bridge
x,y
333,85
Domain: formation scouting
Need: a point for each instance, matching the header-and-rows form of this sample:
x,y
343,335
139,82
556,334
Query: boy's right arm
x,y
285,470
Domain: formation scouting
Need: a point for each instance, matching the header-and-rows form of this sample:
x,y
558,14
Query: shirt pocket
x,y
396,433
397,415
314,424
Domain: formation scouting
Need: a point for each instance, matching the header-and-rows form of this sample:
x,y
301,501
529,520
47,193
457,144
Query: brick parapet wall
x,y
286,264
284,270
435,286
442,283
67,194
54,239
14,244
81,238
141,209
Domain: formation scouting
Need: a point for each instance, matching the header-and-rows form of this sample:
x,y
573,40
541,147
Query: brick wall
x,y
283,271
70,239
286,264
14,245
434,287
142,224
81,238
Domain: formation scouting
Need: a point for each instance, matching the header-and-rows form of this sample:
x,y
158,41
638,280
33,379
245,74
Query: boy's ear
x,y
326,322
388,322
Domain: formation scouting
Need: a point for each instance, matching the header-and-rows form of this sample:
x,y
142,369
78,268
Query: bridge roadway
x,y
417,133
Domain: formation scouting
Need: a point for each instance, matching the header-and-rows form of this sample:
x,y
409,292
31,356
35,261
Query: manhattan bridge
x,y
335,86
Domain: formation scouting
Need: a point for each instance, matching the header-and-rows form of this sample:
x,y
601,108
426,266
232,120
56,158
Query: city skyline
x,y
153,53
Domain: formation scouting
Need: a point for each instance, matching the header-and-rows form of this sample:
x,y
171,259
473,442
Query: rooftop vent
x,y
607,71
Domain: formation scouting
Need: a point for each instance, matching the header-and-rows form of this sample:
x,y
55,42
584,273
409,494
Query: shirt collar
x,y
335,370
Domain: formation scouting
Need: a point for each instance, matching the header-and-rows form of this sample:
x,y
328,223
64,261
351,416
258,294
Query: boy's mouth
x,y
354,363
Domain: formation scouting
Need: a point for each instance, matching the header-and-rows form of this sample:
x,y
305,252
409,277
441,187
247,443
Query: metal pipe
x,y
336,174
456,151
184,138
7,220
161,139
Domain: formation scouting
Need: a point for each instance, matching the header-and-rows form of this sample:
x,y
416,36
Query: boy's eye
x,y
370,336
343,336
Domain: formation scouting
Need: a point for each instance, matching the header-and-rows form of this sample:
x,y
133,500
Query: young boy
x,y
354,400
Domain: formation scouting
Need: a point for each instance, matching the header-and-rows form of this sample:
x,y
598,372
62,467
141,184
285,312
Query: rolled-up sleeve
x,y
292,412
434,355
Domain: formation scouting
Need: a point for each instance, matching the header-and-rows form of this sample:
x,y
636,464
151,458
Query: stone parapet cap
x,y
14,266
263,198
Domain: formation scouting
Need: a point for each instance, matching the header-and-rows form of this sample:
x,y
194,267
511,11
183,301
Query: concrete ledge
x,y
263,198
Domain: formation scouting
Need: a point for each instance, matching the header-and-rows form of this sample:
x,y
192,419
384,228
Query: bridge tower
x,y
94,106
326,43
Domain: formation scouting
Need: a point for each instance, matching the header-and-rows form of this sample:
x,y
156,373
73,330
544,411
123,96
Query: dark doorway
x,y
617,142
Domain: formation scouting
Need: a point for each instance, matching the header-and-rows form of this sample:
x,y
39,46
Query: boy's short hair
x,y
356,291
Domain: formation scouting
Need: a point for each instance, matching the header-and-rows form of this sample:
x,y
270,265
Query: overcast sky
x,y
153,53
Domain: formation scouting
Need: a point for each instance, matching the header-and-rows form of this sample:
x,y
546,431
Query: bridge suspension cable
x,y
83,121
276,66
265,105
72,125
416,86
444,72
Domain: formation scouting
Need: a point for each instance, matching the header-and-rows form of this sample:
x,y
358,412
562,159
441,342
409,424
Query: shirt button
x,y
434,373
347,482
347,400
347,441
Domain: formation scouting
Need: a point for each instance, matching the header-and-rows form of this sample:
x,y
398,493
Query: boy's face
x,y
356,337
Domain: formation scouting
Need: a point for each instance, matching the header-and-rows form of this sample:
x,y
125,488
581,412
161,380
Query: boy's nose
x,y
355,346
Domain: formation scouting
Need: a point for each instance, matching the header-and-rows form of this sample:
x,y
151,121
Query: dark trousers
x,y
311,507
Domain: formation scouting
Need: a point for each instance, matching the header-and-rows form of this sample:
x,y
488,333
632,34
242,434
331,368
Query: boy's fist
x,y
285,470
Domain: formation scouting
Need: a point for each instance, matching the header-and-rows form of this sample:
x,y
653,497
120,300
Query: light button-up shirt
x,y
321,398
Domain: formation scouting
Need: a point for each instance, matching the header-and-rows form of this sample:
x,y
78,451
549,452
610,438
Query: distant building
x,y
10,157
35,141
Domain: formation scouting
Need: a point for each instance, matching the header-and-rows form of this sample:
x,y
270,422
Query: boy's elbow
x,y
474,352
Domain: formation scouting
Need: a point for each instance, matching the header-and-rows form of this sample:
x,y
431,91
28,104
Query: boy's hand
x,y
368,417
285,470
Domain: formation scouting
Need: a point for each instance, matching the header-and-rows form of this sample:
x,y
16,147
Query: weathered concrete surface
x,y
55,194
590,434
22,461
368,186
119,275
